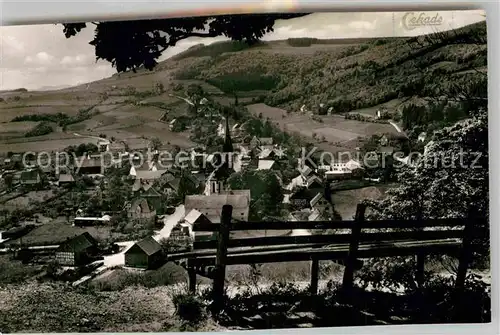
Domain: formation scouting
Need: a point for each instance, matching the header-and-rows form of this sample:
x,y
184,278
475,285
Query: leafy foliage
x,y
40,129
265,189
128,45
189,307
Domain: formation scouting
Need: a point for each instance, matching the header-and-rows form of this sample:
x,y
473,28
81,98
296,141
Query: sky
x,y
40,57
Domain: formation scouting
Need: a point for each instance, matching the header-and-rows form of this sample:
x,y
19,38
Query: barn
x,y
77,250
145,254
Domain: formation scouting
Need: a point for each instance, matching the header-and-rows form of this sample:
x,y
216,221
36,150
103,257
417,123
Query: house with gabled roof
x,y
139,210
76,251
321,203
145,254
211,204
195,216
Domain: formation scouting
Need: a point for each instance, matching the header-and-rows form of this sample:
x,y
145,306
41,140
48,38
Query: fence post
x,y
420,273
347,282
466,251
220,261
314,276
191,276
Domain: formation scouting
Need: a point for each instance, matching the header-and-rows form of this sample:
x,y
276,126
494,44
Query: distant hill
x,y
344,74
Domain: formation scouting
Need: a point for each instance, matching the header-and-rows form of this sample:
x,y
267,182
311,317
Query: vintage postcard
x,y
260,171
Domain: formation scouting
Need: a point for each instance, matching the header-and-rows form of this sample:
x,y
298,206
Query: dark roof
x,y
78,243
149,245
91,162
29,175
311,180
142,203
151,192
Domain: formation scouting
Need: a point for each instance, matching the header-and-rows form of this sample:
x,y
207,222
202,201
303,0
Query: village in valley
x,y
110,189
102,204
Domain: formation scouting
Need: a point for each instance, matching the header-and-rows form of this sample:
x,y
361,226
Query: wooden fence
x,y
411,237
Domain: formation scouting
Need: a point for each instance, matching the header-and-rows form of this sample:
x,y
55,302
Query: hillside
x,y
344,74
355,76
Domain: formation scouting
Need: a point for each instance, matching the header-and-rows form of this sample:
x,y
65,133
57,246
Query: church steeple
x,y
225,170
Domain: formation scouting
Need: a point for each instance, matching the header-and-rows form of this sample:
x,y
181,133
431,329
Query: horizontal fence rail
x,y
337,252
378,224
333,238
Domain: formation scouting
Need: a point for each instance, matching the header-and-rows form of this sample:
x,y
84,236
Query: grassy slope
x,y
348,74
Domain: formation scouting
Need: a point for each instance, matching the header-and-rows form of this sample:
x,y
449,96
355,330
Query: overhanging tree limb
x,y
128,45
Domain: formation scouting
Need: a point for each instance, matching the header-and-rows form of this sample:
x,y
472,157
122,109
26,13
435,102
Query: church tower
x,y
226,168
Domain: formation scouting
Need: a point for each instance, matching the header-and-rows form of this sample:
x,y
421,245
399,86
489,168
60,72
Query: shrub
x,y
189,307
41,129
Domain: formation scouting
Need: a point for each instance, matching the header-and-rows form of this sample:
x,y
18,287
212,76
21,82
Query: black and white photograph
x,y
245,171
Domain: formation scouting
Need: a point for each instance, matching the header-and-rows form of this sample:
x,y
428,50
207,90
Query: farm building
x,y
30,177
139,210
144,254
77,250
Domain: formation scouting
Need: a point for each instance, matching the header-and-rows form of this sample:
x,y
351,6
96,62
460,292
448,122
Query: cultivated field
x,y
346,201
58,231
28,200
39,143
335,133
16,129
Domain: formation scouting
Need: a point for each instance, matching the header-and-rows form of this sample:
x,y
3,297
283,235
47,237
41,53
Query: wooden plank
x,y
191,277
314,276
339,252
213,252
378,224
333,238
420,269
466,252
347,281
221,258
